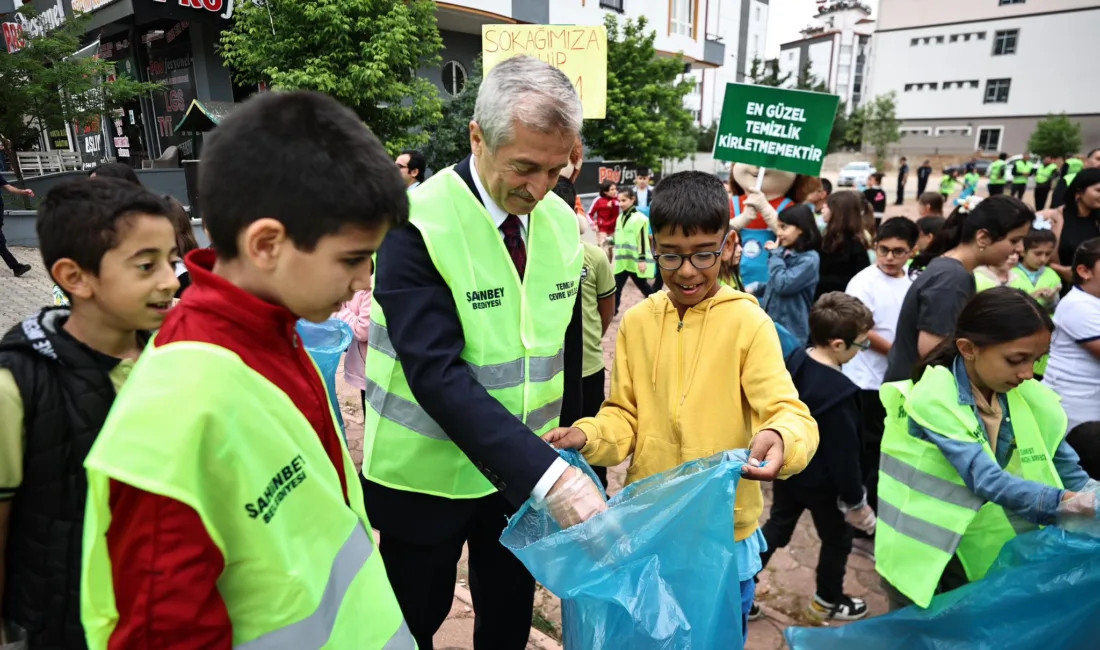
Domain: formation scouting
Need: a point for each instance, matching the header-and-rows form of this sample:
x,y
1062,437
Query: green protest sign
x,y
775,128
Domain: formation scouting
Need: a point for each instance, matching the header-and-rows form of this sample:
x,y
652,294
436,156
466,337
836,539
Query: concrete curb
x,y
541,640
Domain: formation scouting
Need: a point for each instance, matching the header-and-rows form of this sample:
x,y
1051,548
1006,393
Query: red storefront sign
x,y
14,38
214,6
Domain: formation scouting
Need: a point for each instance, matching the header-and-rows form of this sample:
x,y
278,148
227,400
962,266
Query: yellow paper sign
x,y
580,52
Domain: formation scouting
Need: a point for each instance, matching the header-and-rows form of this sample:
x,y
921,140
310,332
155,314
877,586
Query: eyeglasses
x,y
862,345
701,260
883,251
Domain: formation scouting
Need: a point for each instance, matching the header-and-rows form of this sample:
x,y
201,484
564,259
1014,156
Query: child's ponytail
x,y
992,317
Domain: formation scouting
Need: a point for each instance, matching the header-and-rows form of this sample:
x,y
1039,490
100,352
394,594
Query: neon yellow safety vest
x,y
301,566
926,512
982,282
971,180
1045,173
630,230
513,332
997,172
1023,170
947,186
1048,279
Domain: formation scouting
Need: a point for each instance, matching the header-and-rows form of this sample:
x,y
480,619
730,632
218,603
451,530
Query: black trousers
x,y
873,415
1041,194
994,190
788,502
5,254
901,193
921,187
620,282
591,401
1019,189
423,579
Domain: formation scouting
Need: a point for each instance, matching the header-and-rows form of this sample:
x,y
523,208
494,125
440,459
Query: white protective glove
x,y
757,201
574,499
1078,513
862,518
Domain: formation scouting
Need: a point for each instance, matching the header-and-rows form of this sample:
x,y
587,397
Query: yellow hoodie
x,y
682,390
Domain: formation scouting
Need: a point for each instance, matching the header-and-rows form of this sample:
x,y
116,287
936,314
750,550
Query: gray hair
x,y
524,89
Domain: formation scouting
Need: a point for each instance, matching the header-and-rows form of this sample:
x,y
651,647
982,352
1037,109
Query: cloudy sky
x,y
788,16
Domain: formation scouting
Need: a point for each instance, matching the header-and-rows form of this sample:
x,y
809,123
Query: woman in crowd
x,y
605,213
1077,221
843,249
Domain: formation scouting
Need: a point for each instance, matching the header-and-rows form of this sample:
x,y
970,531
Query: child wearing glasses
x,y
882,289
793,270
831,486
699,370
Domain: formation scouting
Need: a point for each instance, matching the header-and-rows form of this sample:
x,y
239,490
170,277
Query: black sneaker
x,y
21,270
754,612
845,609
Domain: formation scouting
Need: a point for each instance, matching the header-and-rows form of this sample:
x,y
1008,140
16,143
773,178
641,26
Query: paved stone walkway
x,y
21,297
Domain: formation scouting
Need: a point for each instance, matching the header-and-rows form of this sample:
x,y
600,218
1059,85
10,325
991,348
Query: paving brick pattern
x,y
21,297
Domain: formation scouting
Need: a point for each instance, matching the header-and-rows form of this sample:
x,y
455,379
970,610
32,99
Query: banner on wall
x,y
578,51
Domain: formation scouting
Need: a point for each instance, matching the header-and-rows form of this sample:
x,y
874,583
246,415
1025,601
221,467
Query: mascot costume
x,y
755,215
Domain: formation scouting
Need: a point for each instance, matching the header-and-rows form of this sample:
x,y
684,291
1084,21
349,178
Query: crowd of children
x,y
906,399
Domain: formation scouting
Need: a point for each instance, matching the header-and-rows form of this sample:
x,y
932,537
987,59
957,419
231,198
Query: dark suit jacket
x,y
426,332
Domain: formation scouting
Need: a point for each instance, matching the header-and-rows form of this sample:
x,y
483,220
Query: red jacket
x,y
605,212
164,565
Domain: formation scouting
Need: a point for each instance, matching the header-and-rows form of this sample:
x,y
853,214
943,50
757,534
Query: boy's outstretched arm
x,y
612,434
775,406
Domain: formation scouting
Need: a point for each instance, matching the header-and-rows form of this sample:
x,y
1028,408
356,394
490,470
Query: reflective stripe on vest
x,y
513,333
300,567
931,534
314,630
928,484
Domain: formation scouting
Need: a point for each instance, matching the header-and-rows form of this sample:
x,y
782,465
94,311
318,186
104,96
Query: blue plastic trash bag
x,y
326,342
657,570
1043,592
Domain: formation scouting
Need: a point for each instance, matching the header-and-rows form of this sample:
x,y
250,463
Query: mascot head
x,y
795,187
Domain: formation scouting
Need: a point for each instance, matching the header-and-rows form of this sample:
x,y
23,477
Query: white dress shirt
x,y
499,214
643,196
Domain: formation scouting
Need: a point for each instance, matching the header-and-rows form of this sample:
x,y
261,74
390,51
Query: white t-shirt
x,y
883,295
1072,371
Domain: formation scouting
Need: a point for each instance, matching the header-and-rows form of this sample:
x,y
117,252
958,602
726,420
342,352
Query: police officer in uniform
x,y
467,365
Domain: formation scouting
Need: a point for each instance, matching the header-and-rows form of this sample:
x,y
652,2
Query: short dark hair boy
x,y
109,245
931,204
899,228
831,486
417,165
690,202
297,195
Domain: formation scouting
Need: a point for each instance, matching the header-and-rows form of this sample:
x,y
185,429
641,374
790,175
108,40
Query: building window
x,y
927,40
843,72
975,84
966,38
758,14
996,91
913,42
1010,2
980,35
908,87
989,139
614,5
1004,42
916,130
939,39
454,78
682,17
954,130
954,38
935,85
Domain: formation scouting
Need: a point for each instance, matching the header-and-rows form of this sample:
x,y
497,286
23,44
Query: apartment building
x,y
718,38
978,75
837,47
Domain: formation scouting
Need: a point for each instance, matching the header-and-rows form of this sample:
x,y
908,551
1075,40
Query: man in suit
x,y
467,364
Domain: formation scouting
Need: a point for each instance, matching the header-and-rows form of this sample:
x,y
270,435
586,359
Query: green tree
x,y
1055,136
450,141
876,123
838,138
364,53
766,73
707,136
43,85
646,119
807,80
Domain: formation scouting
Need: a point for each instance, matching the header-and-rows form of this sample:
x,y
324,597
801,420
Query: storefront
x,y
171,42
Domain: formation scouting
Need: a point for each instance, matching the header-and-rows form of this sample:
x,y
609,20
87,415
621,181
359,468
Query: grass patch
x,y
544,625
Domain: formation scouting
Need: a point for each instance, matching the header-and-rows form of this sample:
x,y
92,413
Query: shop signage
x,y
215,6
775,128
617,171
84,6
17,33
580,52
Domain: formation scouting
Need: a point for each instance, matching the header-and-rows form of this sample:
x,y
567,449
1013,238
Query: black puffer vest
x,y
66,395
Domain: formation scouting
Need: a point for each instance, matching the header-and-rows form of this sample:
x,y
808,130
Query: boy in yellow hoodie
x,y
699,370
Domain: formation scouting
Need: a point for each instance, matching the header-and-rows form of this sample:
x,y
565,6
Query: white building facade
x,y
837,47
977,76
717,38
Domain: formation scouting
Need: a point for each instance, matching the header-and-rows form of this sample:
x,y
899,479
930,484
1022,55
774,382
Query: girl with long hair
x,y
793,268
604,213
843,247
976,234
1077,221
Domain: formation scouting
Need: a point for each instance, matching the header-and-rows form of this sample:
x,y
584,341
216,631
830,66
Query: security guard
x,y
997,178
1044,176
475,349
1021,172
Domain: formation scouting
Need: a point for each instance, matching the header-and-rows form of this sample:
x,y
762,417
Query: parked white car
x,y
855,174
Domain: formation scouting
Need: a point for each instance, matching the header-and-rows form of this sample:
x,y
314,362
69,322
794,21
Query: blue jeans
x,y
748,595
